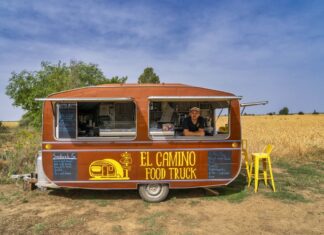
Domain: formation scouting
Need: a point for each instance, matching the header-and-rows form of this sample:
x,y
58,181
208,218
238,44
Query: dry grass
x,y
10,124
294,136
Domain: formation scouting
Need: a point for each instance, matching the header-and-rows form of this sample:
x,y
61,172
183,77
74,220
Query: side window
x,y
106,119
85,120
66,121
167,119
222,120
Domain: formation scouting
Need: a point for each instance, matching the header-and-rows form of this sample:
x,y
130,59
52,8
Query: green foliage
x,y
25,86
148,76
284,111
315,112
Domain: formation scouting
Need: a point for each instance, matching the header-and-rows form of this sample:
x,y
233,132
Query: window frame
x,y
190,99
94,138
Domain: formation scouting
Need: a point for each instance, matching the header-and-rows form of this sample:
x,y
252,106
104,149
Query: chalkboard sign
x,y
219,164
65,166
67,120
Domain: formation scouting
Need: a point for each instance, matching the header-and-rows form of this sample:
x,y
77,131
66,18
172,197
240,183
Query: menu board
x,y
219,164
67,120
65,166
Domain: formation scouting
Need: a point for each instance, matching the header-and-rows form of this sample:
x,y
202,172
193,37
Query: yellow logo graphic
x,y
110,169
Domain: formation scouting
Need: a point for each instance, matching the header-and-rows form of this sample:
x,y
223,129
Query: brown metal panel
x,y
89,152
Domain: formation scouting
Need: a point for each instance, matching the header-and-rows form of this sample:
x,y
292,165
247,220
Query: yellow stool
x,y
265,157
245,155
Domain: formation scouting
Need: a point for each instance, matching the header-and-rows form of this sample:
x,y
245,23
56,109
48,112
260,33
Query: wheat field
x,y
10,124
300,137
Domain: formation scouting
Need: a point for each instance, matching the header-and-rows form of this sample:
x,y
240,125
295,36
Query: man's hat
x,y
195,109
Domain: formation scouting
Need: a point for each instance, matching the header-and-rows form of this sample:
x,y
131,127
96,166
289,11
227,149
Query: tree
x,y
300,113
25,86
315,112
284,111
148,76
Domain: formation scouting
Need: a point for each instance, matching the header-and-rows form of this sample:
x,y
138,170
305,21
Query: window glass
x,y
66,121
96,119
106,119
167,119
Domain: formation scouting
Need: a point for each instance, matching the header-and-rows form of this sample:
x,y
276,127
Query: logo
x,y
110,169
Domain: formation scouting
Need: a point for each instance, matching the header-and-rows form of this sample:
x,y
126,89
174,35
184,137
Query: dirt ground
x,y
190,211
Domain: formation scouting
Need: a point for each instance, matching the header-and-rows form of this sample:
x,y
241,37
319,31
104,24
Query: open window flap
x,y
244,105
193,98
75,99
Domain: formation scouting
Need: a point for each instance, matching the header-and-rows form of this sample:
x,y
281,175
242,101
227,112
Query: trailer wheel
x,y
153,192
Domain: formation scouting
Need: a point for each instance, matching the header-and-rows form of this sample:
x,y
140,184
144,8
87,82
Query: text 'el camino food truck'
x,y
131,136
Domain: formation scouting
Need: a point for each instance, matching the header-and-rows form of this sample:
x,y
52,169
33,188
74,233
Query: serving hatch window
x,y
96,119
166,118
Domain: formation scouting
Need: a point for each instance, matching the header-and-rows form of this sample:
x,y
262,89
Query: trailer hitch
x,y
29,180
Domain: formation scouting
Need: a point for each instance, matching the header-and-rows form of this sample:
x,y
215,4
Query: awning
x,y
193,98
254,103
92,99
244,105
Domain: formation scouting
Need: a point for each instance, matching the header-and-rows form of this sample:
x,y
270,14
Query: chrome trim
x,y
193,98
140,181
86,99
137,150
96,141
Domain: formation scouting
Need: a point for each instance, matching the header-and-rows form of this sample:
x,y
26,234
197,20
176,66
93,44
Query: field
x,y
10,124
296,208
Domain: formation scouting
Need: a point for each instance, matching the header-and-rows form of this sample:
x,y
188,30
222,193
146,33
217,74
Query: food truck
x,y
130,136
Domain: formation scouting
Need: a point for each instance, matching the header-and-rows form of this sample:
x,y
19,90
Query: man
x,y
194,125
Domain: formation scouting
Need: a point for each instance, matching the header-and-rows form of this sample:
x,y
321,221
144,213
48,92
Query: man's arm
x,y
200,132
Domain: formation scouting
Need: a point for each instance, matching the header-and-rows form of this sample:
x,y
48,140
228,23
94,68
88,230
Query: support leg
x,y
256,174
271,175
250,173
265,177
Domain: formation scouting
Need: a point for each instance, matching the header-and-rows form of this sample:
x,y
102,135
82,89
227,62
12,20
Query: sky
x,y
261,50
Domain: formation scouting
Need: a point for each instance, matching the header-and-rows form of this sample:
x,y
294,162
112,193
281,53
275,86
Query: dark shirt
x,y
187,124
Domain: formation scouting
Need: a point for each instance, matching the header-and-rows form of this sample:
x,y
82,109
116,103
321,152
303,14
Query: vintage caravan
x,y
131,136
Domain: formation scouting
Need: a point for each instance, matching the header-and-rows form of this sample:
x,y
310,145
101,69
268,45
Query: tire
x,y
153,192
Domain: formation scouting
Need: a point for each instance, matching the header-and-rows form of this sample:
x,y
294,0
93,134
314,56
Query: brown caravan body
x,y
81,149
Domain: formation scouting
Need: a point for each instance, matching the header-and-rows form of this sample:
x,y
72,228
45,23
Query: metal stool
x,y
265,157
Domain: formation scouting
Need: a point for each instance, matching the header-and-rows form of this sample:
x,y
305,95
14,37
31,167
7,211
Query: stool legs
x,y
271,175
256,174
264,162
247,166
250,173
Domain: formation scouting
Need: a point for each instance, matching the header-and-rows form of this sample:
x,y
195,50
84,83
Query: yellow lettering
x,y
157,156
145,159
155,173
165,158
142,159
182,173
192,158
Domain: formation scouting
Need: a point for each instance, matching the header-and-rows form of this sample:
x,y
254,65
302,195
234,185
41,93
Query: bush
x,y
17,156
3,128
284,111
315,112
300,113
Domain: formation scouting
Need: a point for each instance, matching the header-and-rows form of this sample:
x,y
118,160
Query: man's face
x,y
194,115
